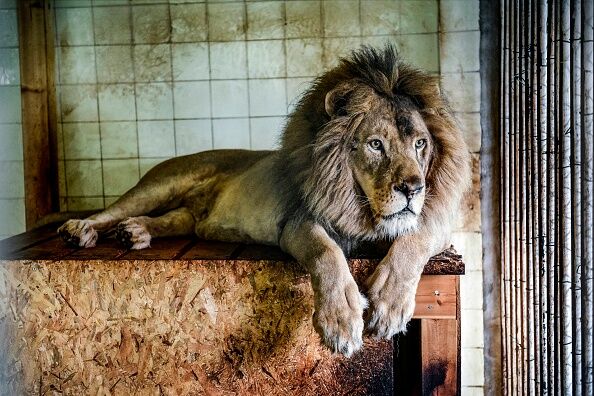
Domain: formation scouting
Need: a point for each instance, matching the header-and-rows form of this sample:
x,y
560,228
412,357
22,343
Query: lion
x,y
371,155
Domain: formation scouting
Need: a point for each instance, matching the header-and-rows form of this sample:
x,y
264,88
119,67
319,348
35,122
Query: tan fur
x,y
371,154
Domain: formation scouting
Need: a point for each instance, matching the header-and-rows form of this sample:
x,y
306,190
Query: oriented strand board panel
x,y
218,327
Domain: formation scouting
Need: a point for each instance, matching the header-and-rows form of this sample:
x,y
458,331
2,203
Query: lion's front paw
x,y
133,234
78,233
338,318
389,316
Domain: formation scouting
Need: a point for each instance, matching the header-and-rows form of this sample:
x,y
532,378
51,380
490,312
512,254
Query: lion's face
x,y
390,156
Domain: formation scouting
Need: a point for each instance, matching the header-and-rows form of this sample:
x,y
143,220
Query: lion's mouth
x,y
403,212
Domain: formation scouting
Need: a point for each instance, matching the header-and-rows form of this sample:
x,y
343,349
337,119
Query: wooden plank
x,y
162,249
52,249
437,297
210,250
38,109
440,349
262,252
106,249
27,239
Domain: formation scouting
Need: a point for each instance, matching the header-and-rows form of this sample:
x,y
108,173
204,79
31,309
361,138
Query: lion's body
x,y
371,154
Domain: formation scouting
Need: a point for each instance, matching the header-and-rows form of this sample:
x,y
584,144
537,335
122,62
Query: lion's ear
x,y
338,98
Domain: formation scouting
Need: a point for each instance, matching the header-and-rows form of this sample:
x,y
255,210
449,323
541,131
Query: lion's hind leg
x,y
137,232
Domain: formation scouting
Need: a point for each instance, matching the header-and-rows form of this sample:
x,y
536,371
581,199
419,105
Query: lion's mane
x,y
314,148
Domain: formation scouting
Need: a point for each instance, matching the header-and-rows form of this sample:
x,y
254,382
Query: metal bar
x,y
542,134
576,202
587,198
565,174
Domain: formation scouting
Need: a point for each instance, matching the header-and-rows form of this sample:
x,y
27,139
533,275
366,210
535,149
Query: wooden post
x,y
38,98
440,354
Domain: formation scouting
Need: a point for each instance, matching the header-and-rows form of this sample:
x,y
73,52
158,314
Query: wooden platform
x,y
199,317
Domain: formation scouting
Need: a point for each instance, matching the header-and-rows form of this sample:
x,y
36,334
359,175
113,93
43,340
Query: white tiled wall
x,y
142,81
12,207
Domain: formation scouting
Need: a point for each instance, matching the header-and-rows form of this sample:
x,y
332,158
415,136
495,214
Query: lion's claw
x,y
338,319
132,233
78,233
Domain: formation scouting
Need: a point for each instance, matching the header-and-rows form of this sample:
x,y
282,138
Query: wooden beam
x,y
38,100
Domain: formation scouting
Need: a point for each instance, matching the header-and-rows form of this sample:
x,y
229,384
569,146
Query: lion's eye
x,y
376,144
419,144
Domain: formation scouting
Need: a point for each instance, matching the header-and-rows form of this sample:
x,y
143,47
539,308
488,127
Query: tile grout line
x,y
59,111
245,45
172,78
133,58
210,104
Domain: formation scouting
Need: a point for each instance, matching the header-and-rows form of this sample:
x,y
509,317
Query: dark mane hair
x,y
315,146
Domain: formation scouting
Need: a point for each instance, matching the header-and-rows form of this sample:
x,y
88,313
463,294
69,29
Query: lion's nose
x,y
409,187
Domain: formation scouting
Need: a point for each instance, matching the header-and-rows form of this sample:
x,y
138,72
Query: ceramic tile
x,y
77,65
228,60
471,290
152,63
12,216
341,18
117,102
156,139
231,133
119,140
336,48
266,59
11,142
455,15
266,132
304,19
472,328
464,91
188,23
192,136
151,24
78,102
471,127
110,200
230,98
81,140
191,99
9,32
114,64
421,50
379,41
154,101
469,245
103,3
8,4
119,175
419,16
265,20
10,97
190,61
472,370
9,66
84,178
380,17
71,3
84,203
472,390
459,51
12,179
146,164
295,88
304,57
267,97
112,25
226,22
74,26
